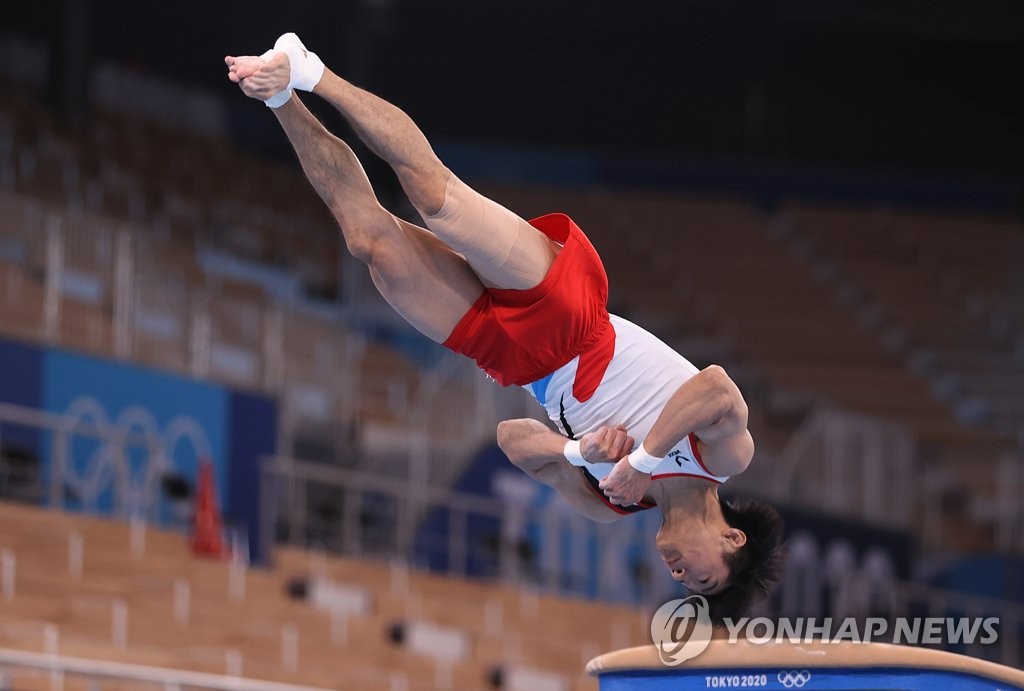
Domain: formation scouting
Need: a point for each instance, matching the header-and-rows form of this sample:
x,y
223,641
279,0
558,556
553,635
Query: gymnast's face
x,y
695,554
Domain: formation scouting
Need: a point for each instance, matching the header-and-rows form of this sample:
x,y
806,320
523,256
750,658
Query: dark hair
x,y
754,568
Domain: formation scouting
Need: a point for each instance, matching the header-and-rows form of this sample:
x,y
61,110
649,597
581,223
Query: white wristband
x,y
306,68
572,453
279,99
282,96
643,461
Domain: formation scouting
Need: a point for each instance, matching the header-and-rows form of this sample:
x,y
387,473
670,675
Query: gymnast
x,y
528,302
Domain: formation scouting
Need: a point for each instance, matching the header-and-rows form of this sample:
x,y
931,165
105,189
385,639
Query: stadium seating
x,y
507,627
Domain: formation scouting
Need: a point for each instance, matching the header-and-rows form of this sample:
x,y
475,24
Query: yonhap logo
x,y
794,679
681,629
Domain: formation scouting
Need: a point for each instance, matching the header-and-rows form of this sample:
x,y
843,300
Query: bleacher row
x,y
255,627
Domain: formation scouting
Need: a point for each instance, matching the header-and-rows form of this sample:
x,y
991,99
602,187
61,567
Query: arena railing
x,y
59,666
453,547
866,468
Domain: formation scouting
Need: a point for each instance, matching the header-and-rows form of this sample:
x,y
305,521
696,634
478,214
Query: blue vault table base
x,y
804,667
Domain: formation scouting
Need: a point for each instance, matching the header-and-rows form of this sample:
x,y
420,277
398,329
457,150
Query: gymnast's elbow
x,y
730,402
528,444
510,436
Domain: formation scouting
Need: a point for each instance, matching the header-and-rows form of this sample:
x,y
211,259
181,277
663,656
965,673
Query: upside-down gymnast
x,y
528,302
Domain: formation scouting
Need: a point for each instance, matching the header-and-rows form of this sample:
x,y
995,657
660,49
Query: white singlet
x,y
641,377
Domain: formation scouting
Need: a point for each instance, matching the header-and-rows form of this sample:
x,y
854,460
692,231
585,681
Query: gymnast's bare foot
x,y
272,76
260,77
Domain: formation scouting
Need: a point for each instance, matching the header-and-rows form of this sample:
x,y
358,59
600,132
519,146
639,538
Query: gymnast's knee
x,y
368,235
427,187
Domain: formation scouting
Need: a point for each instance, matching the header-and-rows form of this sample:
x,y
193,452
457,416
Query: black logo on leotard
x,y
674,455
561,417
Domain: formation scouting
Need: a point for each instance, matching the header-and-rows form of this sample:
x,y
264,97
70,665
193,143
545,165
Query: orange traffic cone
x,y
207,536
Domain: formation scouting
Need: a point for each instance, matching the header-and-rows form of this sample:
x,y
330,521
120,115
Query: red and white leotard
x,y
639,380
587,368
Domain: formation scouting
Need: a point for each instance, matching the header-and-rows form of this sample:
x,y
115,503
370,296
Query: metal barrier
x,y
851,465
382,516
57,666
868,589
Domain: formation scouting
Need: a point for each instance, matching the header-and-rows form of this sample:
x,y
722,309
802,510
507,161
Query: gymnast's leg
x,y
431,286
501,248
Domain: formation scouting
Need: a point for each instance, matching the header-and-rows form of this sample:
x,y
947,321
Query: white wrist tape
x,y
573,454
281,97
643,461
306,68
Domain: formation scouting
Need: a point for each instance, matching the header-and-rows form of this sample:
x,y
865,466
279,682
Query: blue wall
x,y
133,398
195,420
20,375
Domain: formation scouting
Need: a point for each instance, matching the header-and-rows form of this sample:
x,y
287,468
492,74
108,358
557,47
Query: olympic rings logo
x,y
113,462
794,679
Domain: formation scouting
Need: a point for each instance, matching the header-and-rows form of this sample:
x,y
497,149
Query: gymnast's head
x,y
732,554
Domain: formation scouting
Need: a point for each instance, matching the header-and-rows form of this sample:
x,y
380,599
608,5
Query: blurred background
x,y
221,451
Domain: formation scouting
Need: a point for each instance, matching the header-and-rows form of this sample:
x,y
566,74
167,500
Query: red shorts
x,y
520,336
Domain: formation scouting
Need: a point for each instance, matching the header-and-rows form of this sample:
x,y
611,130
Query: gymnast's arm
x,y
539,452
710,405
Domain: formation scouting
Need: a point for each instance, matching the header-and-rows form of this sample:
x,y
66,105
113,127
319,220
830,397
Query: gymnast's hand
x,y
625,485
606,445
